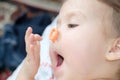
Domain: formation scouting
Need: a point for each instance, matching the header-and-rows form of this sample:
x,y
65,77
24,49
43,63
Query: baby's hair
x,y
115,4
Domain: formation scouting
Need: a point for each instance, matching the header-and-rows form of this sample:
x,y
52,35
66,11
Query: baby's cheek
x,y
82,63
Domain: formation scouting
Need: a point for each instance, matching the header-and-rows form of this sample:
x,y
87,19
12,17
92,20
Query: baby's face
x,y
79,51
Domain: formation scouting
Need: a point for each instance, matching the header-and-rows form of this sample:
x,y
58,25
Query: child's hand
x,y
32,60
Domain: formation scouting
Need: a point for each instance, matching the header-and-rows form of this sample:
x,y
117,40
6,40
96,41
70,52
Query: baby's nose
x,y
54,34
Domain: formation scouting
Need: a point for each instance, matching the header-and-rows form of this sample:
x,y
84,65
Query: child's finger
x,y
27,34
37,52
37,37
30,41
34,52
37,44
30,55
27,38
37,47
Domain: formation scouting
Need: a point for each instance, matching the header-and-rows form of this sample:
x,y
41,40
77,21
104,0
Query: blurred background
x,y
15,17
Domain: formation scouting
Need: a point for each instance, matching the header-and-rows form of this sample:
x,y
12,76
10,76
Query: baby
x,y
85,45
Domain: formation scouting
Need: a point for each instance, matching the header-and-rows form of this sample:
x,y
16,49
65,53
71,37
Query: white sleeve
x,y
45,71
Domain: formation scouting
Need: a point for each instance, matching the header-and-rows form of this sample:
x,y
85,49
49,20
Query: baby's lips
x,y
53,35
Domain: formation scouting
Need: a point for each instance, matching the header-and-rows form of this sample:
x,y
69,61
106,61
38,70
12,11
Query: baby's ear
x,y
114,51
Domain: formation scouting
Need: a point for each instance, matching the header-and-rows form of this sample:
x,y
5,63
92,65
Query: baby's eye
x,y
72,25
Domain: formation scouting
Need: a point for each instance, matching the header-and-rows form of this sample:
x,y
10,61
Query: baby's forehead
x,y
91,9
84,3
87,7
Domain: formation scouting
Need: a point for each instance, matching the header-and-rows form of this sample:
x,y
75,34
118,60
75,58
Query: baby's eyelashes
x,y
72,25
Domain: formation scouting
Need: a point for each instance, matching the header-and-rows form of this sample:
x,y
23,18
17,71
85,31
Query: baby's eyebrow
x,y
75,14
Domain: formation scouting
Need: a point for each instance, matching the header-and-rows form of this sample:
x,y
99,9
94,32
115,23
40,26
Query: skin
x,y
84,42
32,59
85,45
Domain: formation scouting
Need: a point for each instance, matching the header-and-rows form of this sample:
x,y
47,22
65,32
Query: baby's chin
x,y
68,77
73,75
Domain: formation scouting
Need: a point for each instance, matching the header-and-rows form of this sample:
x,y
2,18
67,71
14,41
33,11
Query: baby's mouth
x,y
60,60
